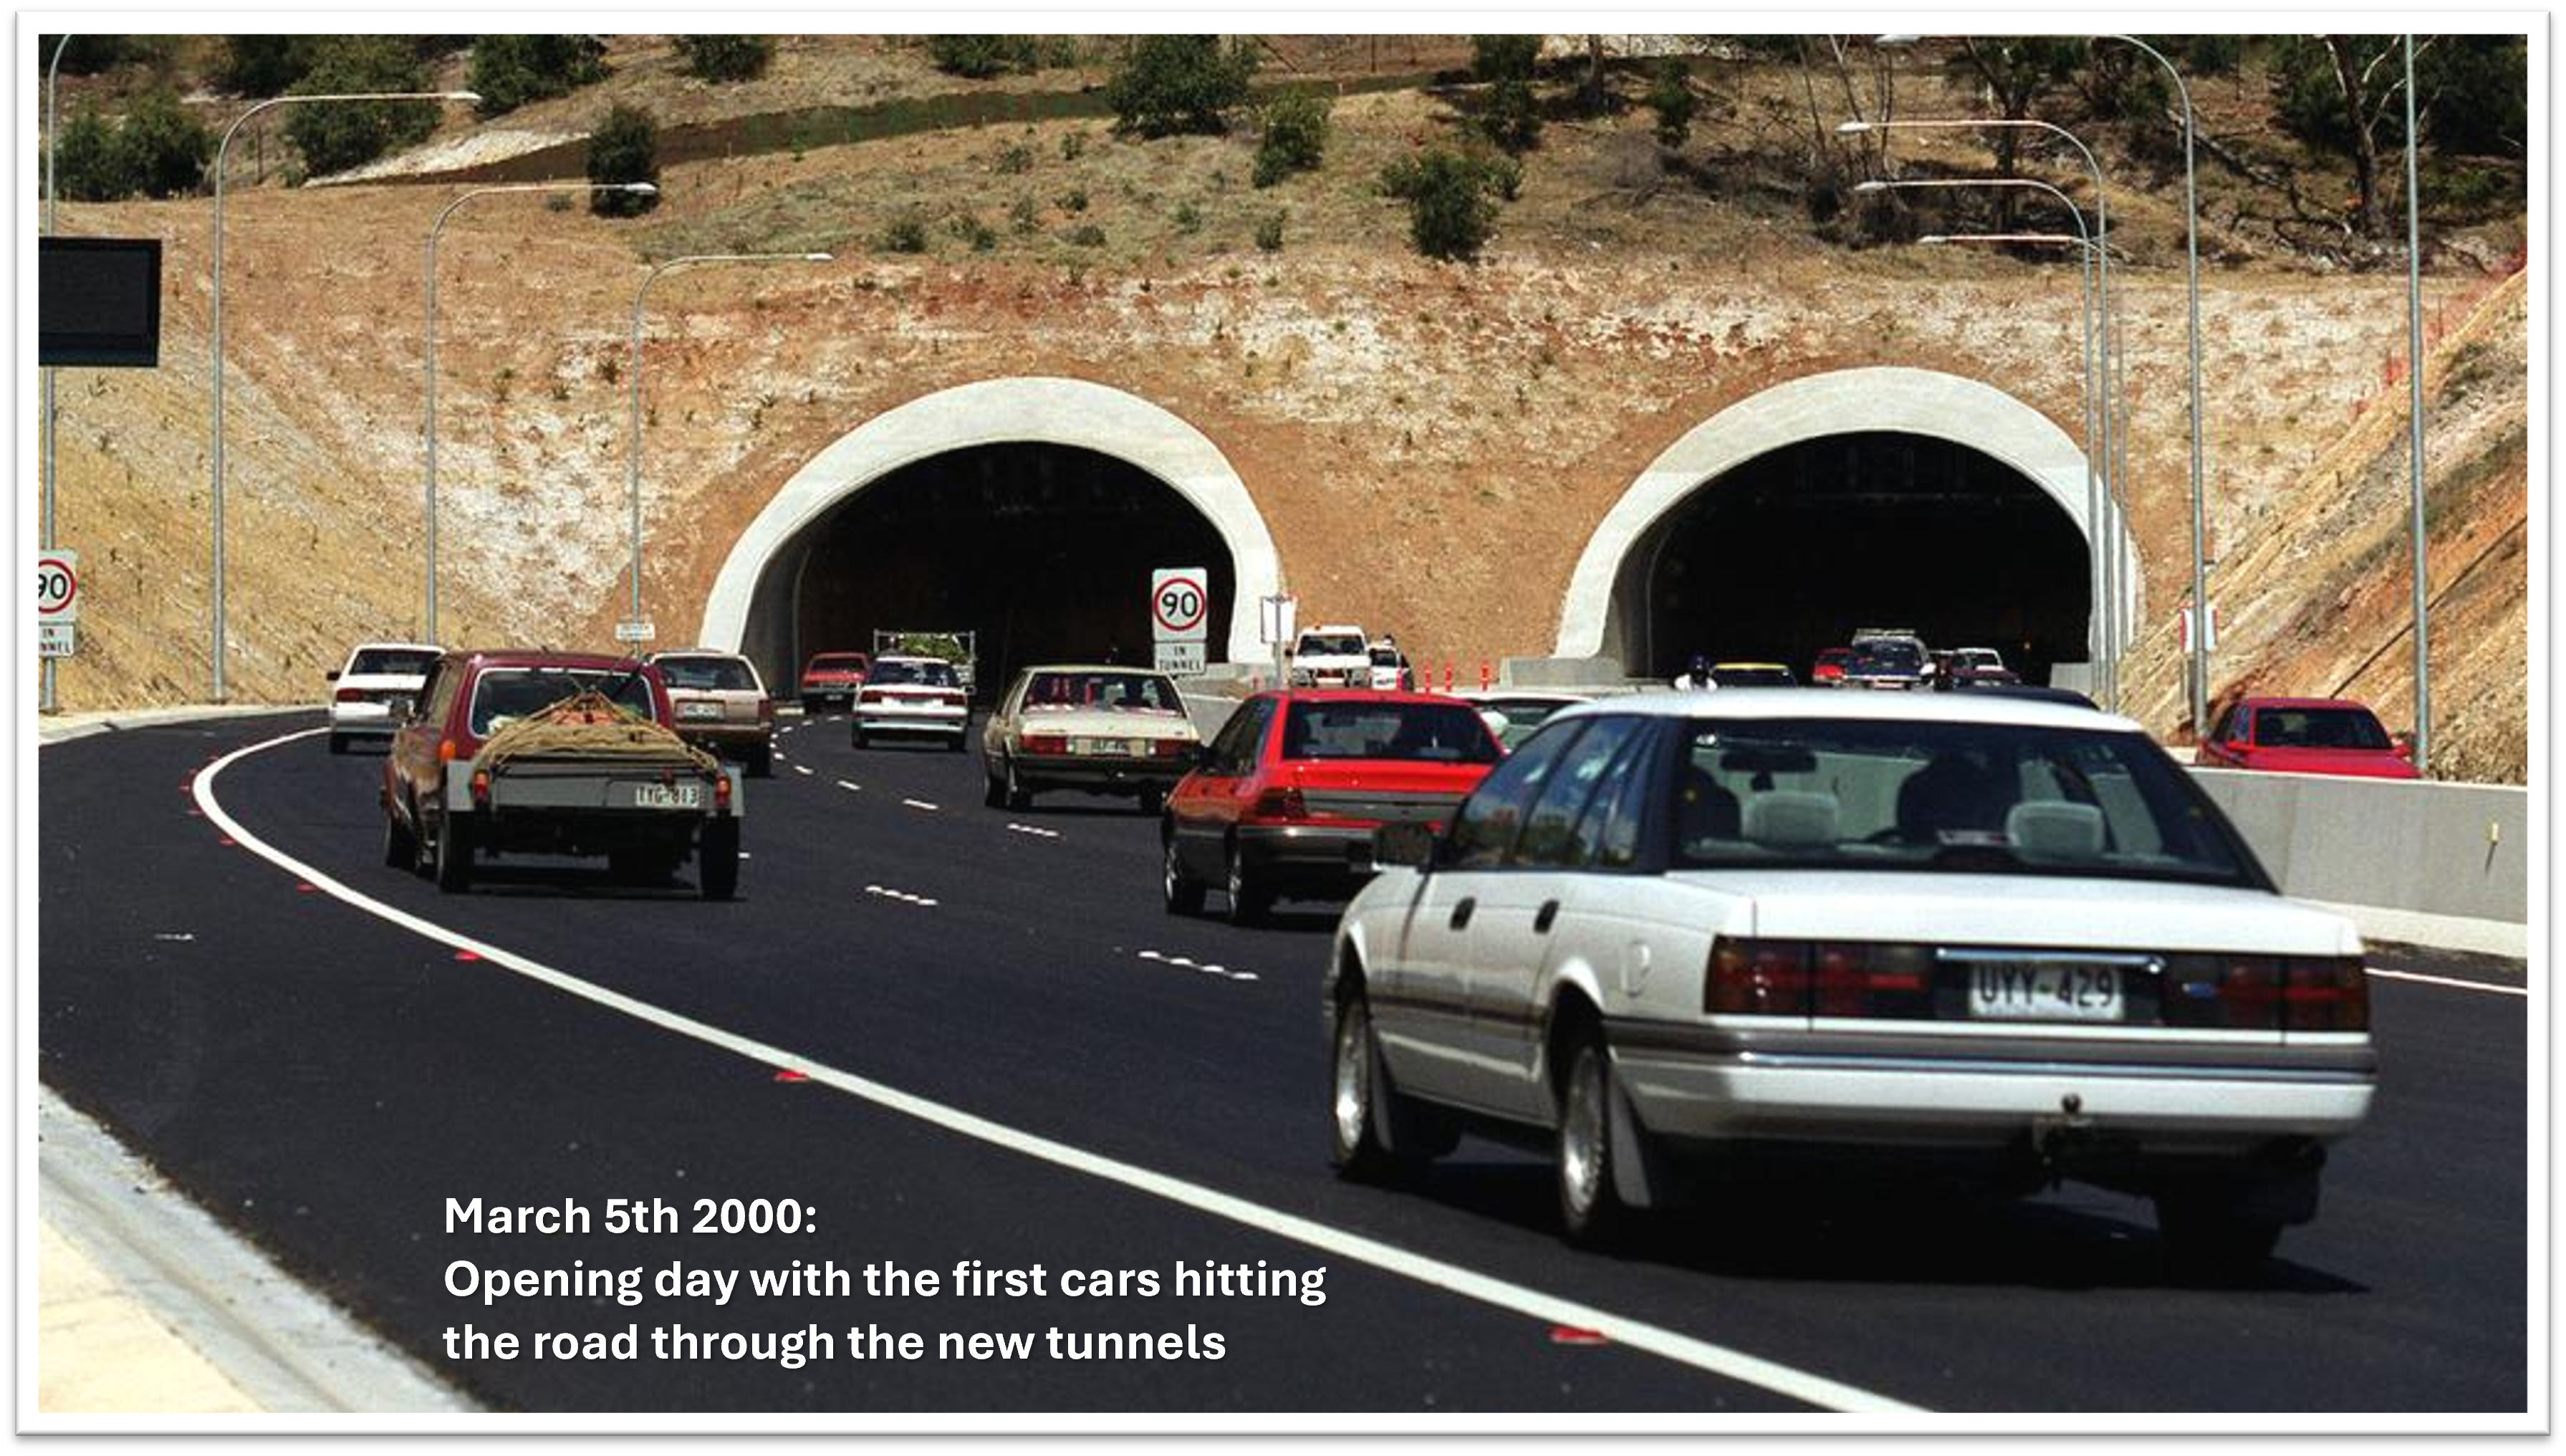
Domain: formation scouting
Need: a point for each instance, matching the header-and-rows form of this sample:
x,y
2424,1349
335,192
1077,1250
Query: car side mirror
x,y
1410,843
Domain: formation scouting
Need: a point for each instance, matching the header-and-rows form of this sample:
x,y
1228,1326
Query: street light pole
x,y
2100,629
2200,673
221,154
428,359
45,429
632,466
2415,437
2106,529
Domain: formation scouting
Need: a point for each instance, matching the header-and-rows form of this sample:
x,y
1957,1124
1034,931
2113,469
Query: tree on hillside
x,y
978,58
343,134
93,55
165,146
89,165
2344,95
726,57
2017,73
623,148
510,70
1510,115
263,66
2486,79
1670,96
1296,136
1450,209
1168,85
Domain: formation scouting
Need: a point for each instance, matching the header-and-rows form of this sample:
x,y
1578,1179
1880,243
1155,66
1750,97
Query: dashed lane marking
x,y
851,788
919,804
1035,831
901,895
1189,963
803,770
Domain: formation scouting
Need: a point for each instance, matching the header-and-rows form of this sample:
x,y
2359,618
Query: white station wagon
x,y
1687,938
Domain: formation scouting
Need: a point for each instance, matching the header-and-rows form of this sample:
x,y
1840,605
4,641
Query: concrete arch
x,y
1032,411
1885,398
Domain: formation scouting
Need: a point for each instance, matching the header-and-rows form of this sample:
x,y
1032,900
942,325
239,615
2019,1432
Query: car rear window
x,y
1316,645
1752,678
707,674
1888,657
504,694
390,662
1958,797
2318,728
836,662
1133,691
925,674
1445,733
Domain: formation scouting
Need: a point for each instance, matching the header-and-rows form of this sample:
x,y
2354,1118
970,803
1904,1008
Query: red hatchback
x,y
1285,800
833,677
2306,736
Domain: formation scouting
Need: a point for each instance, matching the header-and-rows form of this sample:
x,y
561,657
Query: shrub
x,y
1088,235
1074,201
510,70
904,235
1512,116
92,55
1013,158
343,134
89,163
975,234
981,57
1073,146
1024,216
1296,136
164,146
1449,207
1269,234
1188,218
726,57
1502,58
623,148
1670,96
1170,84
260,66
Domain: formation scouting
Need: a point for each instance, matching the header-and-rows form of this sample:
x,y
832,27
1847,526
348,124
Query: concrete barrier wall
x,y
2456,849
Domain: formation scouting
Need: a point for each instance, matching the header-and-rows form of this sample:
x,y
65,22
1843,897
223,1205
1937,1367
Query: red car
x,y
1827,670
1285,800
833,677
2306,736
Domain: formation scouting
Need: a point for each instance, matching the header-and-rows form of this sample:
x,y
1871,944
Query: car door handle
x,y
1462,914
1541,919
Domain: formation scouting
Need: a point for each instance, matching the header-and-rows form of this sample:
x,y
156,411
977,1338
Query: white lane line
x,y
1035,831
851,788
799,769
919,804
901,895
2486,986
1187,963
1701,1354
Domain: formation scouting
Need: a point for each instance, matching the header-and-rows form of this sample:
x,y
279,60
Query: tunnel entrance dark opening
x,y
1794,550
1045,551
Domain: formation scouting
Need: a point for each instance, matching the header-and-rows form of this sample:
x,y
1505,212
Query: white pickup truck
x,y
1333,655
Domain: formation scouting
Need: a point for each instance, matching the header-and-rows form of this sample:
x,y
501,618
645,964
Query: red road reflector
x,y
1571,1335
467,955
788,1075
229,842
303,886
194,813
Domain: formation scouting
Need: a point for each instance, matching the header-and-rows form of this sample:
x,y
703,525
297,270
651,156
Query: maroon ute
x,y
445,807
833,677
2306,736
1285,799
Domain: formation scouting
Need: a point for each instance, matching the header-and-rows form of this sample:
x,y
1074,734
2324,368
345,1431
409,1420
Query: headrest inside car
x,y
2049,829
1787,818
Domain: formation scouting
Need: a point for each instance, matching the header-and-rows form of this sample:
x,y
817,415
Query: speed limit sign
x,y
1179,608
57,586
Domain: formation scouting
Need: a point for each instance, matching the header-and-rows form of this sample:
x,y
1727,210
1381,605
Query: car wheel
x,y
453,852
337,743
1248,897
400,845
954,743
1154,799
1591,1211
1018,796
1181,895
993,793
1361,1102
761,764
718,859
856,736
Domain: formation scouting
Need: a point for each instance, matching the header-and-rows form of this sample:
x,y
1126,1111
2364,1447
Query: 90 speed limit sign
x,y
58,584
1180,606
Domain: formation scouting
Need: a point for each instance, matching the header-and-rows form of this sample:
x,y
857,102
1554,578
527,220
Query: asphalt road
x,y
1040,1067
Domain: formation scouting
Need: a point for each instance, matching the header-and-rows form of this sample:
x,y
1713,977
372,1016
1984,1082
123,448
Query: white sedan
x,y
1682,935
911,697
375,688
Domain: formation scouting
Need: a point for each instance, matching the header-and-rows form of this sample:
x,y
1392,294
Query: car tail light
x,y
1046,743
766,710
1821,978
350,696
868,697
1757,977
2325,993
445,750
950,699
481,788
1168,747
1280,804
721,791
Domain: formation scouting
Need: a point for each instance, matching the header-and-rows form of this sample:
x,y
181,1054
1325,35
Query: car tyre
x,y
1153,801
1591,1211
1249,900
954,743
718,859
993,793
761,764
1017,796
453,853
337,743
856,736
400,845
1362,1102
1179,890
